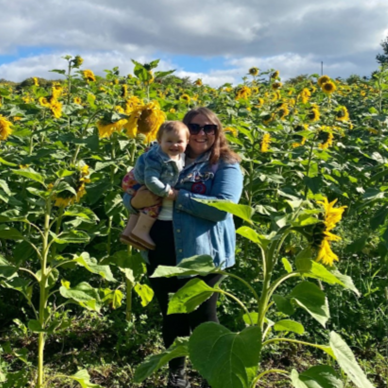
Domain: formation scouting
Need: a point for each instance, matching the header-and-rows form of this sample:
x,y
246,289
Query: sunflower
x,y
291,101
232,130
119,109
172,110
255,90
146,120
265,142
131,103
105,129
5,128
78,182
275,74
275,95
124,90
151,78
343,114
77,61
323,79
244,92
305,95
260,102
268,118
89,75
373,131
77,100
56,108
283,111
328,87
276,85
36,83
186,98
253,71
44,102
331,218
314,114
27,99
296,144
198,82
56,91
326,138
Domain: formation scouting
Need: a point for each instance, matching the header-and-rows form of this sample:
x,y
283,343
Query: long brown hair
x,y
220,148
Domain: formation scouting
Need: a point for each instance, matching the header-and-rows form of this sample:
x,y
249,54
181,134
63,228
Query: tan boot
x,y
125,236
141,232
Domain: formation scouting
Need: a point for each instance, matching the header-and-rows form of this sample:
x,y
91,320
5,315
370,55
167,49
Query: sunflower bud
x,y
77,61
140,137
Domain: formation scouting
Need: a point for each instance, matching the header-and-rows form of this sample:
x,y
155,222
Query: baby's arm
x,y
152,180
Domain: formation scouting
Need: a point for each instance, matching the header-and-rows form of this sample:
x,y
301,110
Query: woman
x,y
187,228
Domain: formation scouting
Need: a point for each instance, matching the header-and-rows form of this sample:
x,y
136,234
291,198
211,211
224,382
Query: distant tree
x,y
297,79
382,59
184,82
353,79
26,82
44,83
5,81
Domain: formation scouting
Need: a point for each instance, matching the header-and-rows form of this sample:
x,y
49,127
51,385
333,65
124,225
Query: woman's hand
x,y
145,198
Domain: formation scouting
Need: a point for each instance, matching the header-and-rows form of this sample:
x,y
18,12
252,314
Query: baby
x,y
159,170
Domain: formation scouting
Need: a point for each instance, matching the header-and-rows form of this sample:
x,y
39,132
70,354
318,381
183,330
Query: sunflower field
x,y
306,304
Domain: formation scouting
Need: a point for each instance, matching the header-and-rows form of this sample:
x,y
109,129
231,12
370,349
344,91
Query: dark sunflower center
x,y
144,124
323,136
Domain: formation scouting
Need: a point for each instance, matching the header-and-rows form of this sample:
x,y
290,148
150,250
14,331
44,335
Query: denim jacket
x,y
198,228
157,171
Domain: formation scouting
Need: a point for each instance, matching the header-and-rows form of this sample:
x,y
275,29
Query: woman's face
x,y
201,142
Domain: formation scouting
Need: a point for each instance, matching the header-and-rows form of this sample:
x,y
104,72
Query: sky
x,y
217,41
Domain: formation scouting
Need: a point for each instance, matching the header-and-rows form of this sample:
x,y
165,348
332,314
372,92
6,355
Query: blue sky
x,y
208,39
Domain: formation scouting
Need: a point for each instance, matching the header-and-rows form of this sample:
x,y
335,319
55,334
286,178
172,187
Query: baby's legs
x,y
130,186
141,232
136,233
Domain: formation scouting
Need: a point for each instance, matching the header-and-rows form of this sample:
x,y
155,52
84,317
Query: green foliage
x,y
224,358
178,349
347,361
316,377
62,257
382,59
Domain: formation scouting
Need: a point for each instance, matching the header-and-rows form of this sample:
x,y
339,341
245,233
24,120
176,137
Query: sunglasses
x,y
209,129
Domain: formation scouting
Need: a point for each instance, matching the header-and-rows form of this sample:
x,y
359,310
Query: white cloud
x,y
40,65
292,36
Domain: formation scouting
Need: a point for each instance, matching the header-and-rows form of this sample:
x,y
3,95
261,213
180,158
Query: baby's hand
x,y
172,194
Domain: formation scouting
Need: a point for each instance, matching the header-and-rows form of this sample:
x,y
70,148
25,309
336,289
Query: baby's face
x,y
174,143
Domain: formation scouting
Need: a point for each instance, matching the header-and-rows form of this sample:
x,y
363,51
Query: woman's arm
x,y
227,185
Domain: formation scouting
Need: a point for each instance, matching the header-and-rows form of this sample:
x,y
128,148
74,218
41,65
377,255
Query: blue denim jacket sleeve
x,y
152,179
227,184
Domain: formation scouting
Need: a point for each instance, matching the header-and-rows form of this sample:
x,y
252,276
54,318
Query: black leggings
x,y
176,325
